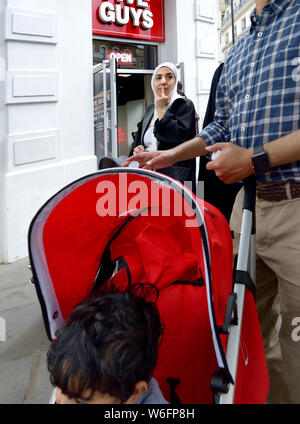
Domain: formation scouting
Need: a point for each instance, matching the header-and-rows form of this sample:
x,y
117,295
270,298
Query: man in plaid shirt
x,y
257,130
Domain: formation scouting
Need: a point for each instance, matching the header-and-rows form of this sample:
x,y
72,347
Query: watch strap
x,y
260,159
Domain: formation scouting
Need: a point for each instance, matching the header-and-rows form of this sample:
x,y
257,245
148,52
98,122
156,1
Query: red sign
x,y
121,135
140,19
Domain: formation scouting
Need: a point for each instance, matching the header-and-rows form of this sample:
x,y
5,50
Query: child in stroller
x,y
106,351
130,226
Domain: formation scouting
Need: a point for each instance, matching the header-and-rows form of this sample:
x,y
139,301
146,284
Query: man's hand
x,y
234,163
152,160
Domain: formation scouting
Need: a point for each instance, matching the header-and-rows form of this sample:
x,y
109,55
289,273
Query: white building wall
x,y
169,49
207,21
186,35
3,122
46,114
192,37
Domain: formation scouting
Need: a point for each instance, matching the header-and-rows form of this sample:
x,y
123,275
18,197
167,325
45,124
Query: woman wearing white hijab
x,y
168,122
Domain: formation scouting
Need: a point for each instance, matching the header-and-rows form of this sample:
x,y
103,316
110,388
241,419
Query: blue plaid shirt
x,y
258,96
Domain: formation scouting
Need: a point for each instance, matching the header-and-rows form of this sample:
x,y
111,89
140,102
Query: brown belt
x,y
282,190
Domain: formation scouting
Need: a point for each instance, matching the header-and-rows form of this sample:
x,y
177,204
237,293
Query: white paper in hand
x,y
134,164
215,154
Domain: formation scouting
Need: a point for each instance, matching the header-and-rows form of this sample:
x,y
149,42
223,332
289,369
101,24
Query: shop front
x,y
126,39
48,125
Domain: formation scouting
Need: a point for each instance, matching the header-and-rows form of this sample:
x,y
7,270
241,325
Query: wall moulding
x,y
205,11
30,25
32,148
31,87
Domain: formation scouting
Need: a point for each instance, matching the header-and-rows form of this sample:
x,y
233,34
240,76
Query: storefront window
x,y
128,56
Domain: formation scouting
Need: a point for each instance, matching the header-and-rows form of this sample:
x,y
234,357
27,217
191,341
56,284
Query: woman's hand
x,y
138,149
161,103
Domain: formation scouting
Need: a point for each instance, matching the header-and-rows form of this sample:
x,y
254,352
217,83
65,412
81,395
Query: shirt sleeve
x,y
218,130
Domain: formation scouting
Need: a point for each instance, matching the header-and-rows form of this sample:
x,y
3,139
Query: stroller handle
x,y
249,199
250,192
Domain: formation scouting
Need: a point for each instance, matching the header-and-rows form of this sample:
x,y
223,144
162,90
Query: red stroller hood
x,y
158,230
67,238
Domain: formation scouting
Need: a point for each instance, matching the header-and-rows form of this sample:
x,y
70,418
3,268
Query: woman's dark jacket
x,y
177,125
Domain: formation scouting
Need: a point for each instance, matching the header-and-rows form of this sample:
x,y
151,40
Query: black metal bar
x,y
232,23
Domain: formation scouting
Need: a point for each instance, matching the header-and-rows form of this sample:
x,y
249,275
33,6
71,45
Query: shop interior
x,y
135,63
134,94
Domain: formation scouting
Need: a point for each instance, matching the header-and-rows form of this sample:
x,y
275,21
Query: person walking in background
x,y
167,123
256,128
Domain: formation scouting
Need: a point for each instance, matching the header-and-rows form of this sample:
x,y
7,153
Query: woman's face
x,y
164,78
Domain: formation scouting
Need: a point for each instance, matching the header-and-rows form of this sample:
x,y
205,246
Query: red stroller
x,y
123,226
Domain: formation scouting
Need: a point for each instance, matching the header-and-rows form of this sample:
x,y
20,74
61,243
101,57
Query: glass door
x,y
105,109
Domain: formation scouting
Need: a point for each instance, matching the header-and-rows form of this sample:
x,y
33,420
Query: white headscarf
x,y
174,94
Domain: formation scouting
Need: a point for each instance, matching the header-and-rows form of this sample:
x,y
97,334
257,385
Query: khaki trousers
x,y
278,290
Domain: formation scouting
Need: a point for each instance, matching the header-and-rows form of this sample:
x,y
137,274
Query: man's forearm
x,y
165,158
189,149
284,150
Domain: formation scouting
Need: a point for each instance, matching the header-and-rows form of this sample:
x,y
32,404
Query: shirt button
x,y
260,34
252,65
242,129
247,97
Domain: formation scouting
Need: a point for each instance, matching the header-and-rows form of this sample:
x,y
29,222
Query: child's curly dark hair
x,y
108,344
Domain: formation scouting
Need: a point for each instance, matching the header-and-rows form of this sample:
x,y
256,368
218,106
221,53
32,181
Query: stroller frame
x,y
246,265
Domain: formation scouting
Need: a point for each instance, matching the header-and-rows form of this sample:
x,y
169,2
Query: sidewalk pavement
x,y
24,378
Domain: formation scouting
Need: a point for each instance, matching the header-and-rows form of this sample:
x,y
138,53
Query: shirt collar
x,y
276,5
279,5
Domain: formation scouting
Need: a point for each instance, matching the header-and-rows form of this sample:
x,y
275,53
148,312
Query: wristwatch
x,y
260,160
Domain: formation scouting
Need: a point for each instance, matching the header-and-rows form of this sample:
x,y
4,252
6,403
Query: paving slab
x,y
14,380
24,377
25,332
39,388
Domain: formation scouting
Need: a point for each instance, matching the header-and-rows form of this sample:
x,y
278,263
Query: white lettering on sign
x,y
147,22
136,16
139,3
121,57
110,14
106,12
